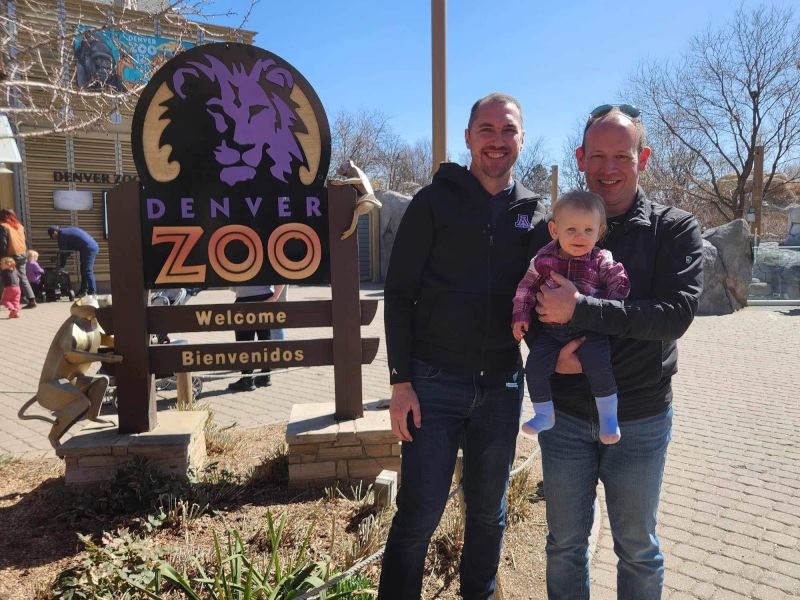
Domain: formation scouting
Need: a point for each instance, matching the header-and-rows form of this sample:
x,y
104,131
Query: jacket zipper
x,y
488,292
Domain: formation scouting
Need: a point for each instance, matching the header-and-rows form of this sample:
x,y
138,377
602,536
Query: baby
x,y
578,223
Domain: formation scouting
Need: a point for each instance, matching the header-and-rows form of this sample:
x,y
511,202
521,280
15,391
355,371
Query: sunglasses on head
x,y
626,109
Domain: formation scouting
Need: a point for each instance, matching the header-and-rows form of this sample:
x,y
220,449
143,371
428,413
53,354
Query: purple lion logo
x,y
252,113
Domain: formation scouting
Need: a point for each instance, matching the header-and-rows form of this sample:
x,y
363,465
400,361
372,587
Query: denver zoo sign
x,y
232,148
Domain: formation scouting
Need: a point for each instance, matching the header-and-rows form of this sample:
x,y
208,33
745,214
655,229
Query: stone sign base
x,y
177,444
323,451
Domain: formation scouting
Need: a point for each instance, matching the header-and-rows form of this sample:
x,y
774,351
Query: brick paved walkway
x,y
730,510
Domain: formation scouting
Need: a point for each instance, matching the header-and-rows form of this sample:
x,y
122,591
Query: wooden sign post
x,y
128,323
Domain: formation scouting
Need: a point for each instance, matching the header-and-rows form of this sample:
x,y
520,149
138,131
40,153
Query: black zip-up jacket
x,y
662,251
455,265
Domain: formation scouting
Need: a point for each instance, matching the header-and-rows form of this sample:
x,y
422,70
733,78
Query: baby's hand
x,y
520,328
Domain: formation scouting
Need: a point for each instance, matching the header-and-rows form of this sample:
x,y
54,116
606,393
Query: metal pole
x,y
439,81
758,187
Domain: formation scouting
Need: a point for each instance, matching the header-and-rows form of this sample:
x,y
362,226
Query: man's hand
x,y
404,400
557,305
520,328
568,362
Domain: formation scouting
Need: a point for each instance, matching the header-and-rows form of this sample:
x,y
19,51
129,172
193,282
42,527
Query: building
x,y
100,51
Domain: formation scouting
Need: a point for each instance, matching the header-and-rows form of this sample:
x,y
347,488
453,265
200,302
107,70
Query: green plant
x,y
114,569
356,587
7,459
136,488
235,575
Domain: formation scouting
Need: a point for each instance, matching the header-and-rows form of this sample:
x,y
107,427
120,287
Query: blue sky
x,y
560,58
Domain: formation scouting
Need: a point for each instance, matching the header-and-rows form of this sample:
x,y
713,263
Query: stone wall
x,y
322,450
177,444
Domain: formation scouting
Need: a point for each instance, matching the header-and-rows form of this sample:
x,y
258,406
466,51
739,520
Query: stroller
x,y
165,382
56,283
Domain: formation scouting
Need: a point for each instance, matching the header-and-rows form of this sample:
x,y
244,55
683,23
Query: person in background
x,y
11,291
76,239
254,293
12,244
35,272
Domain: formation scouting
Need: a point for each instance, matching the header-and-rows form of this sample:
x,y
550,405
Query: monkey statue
x,y
64,387
352,175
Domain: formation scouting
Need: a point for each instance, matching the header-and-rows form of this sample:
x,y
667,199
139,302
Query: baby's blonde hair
x,y
33,255
8,261
581,200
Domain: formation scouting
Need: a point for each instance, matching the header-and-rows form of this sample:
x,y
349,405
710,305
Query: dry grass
x,y
236,492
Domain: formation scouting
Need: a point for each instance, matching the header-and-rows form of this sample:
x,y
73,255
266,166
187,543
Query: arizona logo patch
x,y
523,222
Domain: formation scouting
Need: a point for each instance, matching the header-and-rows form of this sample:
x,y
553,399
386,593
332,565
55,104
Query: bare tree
x,y
362,137
569,176
734,88
407,166
533,167
366,137
39,41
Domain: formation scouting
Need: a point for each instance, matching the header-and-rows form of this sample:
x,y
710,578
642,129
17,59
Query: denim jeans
x,y
631,470
480,414
88,285
25,287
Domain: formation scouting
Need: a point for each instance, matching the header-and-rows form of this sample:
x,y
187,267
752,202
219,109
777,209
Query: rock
x,y
793,216
727,268
779,267
392,210
760,289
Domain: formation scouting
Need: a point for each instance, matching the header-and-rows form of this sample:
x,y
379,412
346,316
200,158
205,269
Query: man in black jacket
x,y
661,249
454,365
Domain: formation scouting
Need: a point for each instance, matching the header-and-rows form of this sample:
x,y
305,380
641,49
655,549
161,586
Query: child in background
x,y
34,271
578,223
11,291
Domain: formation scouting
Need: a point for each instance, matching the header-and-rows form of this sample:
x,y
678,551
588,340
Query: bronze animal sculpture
x,y
352,175
64,386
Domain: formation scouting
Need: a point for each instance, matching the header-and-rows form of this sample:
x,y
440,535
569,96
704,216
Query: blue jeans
x,y
631,470
88,285
480,414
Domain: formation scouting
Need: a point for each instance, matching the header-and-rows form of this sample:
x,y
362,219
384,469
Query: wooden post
x,y
183,383
553,183
346,306
375,244
758,187
439,81
135,385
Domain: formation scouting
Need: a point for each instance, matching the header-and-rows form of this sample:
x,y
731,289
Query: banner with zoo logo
x,y
119,59
232,147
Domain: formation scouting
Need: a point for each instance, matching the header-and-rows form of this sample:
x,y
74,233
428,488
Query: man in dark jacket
x,y
454,365
661,249
76,239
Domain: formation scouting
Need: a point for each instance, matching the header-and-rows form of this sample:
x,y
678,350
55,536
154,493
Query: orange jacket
x,y
14,240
